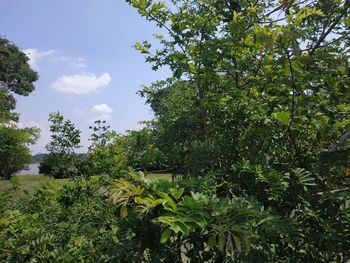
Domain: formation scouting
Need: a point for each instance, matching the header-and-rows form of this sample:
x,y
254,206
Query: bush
x,y
59,165
69,224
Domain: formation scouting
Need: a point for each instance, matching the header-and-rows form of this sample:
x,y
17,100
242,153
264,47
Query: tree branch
x,y
329,30
333,191
342,139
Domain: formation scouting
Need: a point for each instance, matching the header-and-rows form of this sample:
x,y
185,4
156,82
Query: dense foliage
x,y
16,77
69,224
14,151
112,153
61,162
255,117
259,101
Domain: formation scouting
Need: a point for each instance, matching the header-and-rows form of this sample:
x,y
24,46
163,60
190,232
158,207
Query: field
x,y
27,183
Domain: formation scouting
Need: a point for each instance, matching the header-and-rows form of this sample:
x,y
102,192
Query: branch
x,y
342,139
292,111
325,34
328,43
333,191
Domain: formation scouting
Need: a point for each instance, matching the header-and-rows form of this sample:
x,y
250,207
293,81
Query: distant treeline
x,y
37,158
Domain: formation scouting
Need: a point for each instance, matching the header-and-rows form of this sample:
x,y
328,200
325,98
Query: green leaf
x,y
123,212
165,235
238,243
281,116
177,193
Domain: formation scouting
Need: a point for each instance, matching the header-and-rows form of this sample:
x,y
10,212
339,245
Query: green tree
x,y
266,83
14,151
65,137
106,156
16,77
61,162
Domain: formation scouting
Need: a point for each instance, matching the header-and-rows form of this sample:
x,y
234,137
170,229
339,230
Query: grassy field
x,y
27,183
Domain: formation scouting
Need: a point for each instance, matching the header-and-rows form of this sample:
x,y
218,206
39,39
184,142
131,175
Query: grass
x,y
153,177
27,183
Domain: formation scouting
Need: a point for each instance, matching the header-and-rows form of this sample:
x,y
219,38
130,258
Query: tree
x,y
112,153
61,162
16,77
250,68
266,83
14,151
107,155
65,137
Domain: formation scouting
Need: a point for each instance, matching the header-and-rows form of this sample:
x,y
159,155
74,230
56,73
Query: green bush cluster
x,y
69,224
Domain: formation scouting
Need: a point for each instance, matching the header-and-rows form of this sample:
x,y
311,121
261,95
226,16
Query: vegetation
x,y
255,119
61,162
14,153
16,77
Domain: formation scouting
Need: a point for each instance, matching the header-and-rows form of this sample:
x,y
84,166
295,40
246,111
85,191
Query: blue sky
x,y
88,69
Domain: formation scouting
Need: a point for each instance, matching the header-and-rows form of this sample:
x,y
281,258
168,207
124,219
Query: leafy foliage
x,y
257,100
14,153
61,162
16,77
254,118
216,225
73,223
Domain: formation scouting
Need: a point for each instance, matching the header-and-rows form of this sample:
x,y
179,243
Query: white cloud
x,y
79,84
72,62
45,135
35,56
101,108
52,56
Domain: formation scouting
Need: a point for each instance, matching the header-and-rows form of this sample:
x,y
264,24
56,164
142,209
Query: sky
x,y
83,52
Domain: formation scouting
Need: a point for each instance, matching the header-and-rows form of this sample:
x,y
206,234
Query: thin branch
x,y
333,191
340,141
292,112
329,43
332,26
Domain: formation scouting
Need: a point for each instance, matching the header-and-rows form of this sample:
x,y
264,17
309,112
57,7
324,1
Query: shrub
x,y
59,165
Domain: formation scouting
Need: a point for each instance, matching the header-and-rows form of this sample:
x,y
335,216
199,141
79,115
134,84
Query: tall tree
x,y
61,162
269,81
16,77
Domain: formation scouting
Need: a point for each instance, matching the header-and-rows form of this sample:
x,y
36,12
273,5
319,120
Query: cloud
x,y
45,135
101,108
73,62
35,56
79,84
104,117
52,56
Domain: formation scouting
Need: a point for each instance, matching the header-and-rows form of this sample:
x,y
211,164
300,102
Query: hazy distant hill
x,y
37,158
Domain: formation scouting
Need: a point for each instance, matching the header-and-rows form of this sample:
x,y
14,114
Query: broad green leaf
x,y
281,116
